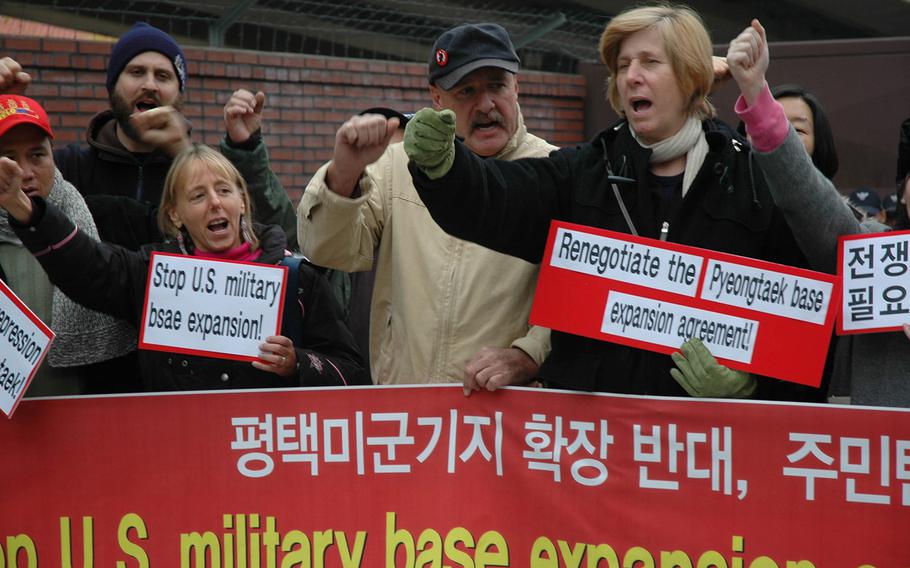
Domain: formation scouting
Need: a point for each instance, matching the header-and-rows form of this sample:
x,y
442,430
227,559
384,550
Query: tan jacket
x,y
437,300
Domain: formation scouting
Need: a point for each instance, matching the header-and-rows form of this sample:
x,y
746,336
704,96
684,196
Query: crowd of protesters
x,y
444,232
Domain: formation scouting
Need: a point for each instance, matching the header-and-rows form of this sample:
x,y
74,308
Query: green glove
x,y
429,140
702,376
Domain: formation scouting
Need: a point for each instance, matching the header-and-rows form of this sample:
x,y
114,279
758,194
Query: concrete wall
x,y
864,86
308,96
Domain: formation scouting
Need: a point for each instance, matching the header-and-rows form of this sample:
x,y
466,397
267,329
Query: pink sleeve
x,y
765,122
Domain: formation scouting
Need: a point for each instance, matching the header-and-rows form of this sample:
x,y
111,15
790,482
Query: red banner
x,y
752,315
425,477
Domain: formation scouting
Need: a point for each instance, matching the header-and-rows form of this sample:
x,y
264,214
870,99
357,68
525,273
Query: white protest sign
x,y
24,341
664,323
874,271
780,293
211,307
633,263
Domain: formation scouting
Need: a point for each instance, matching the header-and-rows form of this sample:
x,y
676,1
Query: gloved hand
x,y
429,140
702,376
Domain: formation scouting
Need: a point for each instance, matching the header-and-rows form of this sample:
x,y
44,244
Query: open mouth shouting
x,y
487,122
218,227
640,105
146,103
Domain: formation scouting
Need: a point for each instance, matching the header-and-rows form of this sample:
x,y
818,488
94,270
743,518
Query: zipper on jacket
x,y
139,184
664,230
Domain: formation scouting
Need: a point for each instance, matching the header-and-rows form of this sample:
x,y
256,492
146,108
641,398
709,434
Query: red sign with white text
x,y
422,476
752,315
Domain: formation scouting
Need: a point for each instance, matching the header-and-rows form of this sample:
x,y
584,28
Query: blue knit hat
x,y
141,38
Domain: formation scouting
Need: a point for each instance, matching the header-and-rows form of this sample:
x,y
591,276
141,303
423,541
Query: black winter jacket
x,y
112,279
105,167
123,189
508,206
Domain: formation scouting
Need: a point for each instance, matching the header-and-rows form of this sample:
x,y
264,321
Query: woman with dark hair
x,y
873,369
806,114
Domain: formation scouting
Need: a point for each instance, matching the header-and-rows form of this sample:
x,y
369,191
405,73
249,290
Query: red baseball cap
x,y
16,110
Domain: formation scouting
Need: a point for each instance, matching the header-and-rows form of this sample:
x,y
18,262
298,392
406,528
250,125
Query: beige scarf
x,y
689,141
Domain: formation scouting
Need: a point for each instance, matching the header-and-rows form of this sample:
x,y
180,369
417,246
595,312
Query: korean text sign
x,y
24,341
422,476
874,272
752,315
211,307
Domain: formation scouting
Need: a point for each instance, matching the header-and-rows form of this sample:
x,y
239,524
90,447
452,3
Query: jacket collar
x,y
718,135
515,141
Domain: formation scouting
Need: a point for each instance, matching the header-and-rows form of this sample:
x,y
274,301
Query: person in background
x,y
805,112
443,310
83,337
872,369
890,204
807,115
122,166
868,202
206,213
694,185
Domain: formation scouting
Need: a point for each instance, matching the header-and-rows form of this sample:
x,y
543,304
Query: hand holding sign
x,y
495,367
277,356
702,376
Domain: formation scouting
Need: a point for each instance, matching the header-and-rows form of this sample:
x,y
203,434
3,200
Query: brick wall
x,y
308,97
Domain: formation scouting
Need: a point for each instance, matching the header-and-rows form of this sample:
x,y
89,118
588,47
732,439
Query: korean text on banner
x,y
211,307
874,272
24,341
753,315
412,477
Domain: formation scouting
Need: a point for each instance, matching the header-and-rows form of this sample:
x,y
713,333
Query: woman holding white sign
x,y
206,209
667,170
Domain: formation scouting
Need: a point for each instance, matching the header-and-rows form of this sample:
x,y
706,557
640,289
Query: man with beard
x,y
128,155
130,148
443,310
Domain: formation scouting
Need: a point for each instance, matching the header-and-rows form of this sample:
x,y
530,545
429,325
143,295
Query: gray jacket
x,y
873,369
